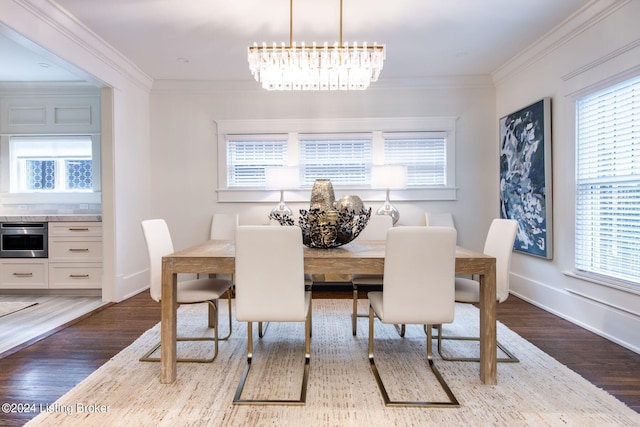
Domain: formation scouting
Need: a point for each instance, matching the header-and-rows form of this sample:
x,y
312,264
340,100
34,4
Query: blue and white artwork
x,y
525,176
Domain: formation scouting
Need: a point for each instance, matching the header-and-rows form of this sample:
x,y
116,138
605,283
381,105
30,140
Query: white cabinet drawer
x,y
81,249
23,274
74,276
80,229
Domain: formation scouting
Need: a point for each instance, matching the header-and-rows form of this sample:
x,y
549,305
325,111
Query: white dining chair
x,y
439,219
158,240
270,288
376,229
223,227
418,288
498,244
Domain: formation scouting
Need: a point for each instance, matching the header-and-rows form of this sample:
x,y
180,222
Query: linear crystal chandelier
x,y
337,67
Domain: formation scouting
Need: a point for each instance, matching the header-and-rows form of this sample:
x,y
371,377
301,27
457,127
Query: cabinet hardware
x,y
79,276
78,229
78,249
23,274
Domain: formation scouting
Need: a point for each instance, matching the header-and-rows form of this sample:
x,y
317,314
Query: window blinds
x,y
423,153
247,158
608,183
345,159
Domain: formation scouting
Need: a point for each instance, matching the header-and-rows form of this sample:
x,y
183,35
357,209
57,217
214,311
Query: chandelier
x,y
337,67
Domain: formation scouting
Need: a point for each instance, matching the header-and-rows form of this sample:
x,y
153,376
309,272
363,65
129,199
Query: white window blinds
x,y
608,183
345,159
248,156
423,153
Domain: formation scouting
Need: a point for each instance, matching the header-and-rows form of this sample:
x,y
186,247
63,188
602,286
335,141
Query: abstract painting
x,y
525,176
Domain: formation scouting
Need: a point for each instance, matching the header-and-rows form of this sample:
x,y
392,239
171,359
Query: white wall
x,y
598,48
125,134
184,145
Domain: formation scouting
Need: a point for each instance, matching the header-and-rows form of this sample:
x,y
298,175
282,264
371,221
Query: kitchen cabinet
x,y
75,255
24,273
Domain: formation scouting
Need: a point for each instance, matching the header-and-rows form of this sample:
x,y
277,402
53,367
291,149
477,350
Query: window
x,y
423,153
345,159
248,156
342,150
51,164
608,183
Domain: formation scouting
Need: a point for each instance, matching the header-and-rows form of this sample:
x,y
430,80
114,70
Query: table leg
x,y
488,339
168,325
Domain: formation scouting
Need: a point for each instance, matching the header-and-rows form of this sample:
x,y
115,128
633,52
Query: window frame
x,y
93,196
375,126
579,271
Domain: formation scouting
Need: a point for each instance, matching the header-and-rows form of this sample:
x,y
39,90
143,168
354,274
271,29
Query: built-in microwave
x,y
24,240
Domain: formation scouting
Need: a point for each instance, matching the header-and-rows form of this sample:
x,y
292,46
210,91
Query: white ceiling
x,y
208,39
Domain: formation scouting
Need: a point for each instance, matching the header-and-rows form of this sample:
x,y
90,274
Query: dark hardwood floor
x,y
46,370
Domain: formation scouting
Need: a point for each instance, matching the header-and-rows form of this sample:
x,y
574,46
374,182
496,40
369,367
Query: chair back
x,y
443,219
269,274
158,240
419,275
499,244
376,228
223,226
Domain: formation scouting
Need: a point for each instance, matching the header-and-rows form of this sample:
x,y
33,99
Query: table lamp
x,y
389,177
281,178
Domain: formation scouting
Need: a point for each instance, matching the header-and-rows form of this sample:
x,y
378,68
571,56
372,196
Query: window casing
x,y
54,164
607,242
343,151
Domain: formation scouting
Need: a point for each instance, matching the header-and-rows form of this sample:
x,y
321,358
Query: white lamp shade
x,y
392,177
280,178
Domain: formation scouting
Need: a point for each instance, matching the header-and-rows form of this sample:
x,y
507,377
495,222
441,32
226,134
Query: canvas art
x,y
525,176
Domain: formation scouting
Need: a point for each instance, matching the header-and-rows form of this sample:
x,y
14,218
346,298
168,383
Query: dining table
x,y
356,257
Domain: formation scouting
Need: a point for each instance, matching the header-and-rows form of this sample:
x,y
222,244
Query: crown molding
x,y
580,21
107,63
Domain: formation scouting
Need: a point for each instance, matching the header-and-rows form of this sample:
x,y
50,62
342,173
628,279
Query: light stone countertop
x,y
52,218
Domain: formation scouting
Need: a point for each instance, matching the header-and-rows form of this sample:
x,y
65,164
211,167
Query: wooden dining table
x,y
357,257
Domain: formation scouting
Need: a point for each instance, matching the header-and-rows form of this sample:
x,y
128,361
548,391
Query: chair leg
x,y
511,358
237,400
452,403
213,316
354,316
262,328
213,312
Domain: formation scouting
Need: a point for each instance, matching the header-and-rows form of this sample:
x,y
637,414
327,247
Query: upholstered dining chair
x,y
159,243
223,227
376,229
499,244
270,288
439,219
418,288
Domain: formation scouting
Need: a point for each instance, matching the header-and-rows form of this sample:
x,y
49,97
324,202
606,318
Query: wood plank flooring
x,y
44,371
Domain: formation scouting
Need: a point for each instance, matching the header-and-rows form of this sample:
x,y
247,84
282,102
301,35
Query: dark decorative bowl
x,y
327,228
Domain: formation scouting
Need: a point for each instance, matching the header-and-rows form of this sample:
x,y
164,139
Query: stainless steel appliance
x,y
24,240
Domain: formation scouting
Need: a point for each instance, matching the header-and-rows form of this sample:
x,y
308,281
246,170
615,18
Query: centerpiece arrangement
x,y
327,223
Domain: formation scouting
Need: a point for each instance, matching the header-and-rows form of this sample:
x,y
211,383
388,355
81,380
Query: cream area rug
x,y
8,307
342,391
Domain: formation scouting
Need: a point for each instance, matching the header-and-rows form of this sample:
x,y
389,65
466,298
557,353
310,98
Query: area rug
x,y
538,391
8,307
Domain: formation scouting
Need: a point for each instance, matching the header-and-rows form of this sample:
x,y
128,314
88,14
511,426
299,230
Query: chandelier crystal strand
x,y
337,67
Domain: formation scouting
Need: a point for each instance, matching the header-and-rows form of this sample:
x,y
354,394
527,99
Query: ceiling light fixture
x,y
337,67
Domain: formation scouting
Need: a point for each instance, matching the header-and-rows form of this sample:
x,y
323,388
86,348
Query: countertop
x,y
52,218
